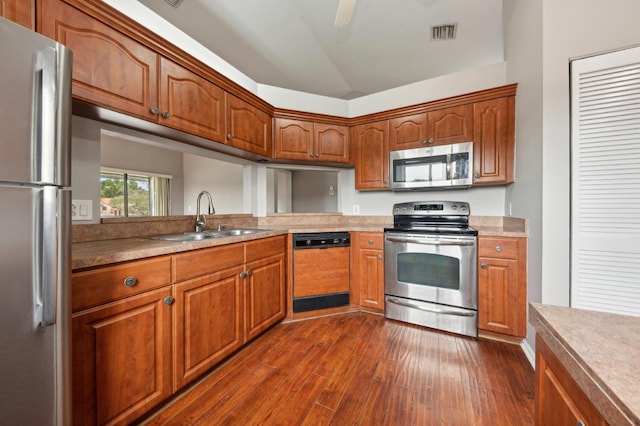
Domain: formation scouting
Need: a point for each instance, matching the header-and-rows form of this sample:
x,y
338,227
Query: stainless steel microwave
x,y
436,167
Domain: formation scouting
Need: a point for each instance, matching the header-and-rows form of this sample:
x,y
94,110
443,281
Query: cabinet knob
x,y
498,249
166,114
370,242
249,272
476,175
311,154
130,281
483,266
430,140
229,136
154,110
169,300
386,181
242,275
317,155
379,257
423,141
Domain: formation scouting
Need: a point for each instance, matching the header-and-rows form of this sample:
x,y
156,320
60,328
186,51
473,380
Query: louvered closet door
x,y
605,176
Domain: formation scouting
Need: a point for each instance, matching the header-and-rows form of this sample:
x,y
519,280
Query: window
x,y
134,194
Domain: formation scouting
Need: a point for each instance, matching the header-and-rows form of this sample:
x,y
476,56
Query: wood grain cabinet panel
x,y
264,288
559,400
247,127
109,69
309,141
207,323
370,154
494,141
331,143
190,103
502,289
451,125
121,355
19,11
408,132
368,269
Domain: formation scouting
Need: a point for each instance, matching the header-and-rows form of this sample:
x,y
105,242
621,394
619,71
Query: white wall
x,y
571,29
223,180
310,191
85,164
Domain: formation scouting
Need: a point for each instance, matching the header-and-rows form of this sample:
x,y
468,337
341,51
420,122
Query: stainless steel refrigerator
x,y
35,226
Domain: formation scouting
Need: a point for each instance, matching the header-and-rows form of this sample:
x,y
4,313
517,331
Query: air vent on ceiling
x,y
174,3
444,32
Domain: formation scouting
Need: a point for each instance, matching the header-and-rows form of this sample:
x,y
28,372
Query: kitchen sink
x,y
207,235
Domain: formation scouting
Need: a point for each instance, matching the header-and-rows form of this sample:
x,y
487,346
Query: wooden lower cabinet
x,y
502,285
121,355
19,11
368,269
559,400
264,295
207,323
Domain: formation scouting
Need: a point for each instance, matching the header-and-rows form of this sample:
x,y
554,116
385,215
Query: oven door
x,y
432,268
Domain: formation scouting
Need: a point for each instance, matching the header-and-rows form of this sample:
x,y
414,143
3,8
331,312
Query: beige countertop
x,y
601,352
90,253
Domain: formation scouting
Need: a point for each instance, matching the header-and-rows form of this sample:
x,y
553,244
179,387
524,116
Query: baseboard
x,y
529,353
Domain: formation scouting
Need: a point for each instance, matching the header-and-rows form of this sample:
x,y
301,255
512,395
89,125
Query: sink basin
x,y
206,235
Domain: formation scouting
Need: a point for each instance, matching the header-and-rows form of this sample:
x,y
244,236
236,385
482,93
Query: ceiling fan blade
x,y
345,12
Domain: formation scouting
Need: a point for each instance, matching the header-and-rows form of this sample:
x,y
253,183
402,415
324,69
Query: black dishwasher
x,y
320,271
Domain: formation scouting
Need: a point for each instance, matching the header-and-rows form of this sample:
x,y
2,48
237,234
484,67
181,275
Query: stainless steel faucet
x,y
201,220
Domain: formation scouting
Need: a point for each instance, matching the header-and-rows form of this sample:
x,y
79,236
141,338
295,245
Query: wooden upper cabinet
x,y
109,69
440,127
190,103
494,141
308,141
248,128
370,154
19,11
294,139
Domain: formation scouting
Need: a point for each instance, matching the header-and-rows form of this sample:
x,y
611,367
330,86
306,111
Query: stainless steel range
x,y
431,276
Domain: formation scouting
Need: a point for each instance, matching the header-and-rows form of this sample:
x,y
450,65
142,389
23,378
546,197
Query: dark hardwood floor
x,y
359,368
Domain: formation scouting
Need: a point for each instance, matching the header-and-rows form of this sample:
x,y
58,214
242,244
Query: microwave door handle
x,y
432,310
430,242
448,166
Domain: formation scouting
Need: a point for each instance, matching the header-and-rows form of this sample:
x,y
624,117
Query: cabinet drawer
x,y
207,261
102,285
370,240
500,247
265,247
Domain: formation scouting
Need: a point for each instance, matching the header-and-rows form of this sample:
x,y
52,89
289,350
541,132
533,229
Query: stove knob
x,y
308,242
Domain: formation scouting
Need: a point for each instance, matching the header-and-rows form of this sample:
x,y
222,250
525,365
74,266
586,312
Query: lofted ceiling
x,y
294,44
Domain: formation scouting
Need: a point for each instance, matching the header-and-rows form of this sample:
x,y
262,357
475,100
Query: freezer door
x,y
35,108
34,359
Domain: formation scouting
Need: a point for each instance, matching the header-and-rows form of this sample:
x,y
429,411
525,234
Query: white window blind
x,y
605,182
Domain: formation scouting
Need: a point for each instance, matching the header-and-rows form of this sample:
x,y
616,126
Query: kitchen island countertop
x,y
601,352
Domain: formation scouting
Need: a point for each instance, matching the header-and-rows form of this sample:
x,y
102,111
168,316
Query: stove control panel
x,y
432,208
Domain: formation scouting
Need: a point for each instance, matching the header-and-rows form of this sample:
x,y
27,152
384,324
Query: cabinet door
x,y
121,359
450,125
207,323
370,144
19,11
248,128
559,400
264,287
331,143
109,69
408,132
371,278
294,139
190,103
493,147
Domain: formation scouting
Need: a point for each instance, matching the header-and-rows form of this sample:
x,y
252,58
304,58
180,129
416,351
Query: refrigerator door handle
x,y
44,117
51,267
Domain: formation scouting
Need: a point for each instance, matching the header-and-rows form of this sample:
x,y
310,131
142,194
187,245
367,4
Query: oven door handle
x,y
432,310
430,242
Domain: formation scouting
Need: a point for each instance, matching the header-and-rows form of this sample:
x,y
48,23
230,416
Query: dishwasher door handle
x,y
432,310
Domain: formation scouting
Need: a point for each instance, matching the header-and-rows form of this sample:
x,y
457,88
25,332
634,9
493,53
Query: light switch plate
x,y
81,210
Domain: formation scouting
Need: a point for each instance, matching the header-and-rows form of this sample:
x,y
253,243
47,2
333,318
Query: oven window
x,y
433,270
425,169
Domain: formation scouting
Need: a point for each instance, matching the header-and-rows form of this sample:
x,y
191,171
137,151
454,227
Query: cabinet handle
x,y
154,110
169,300
423,141
311,155
476,175
249,272
483,266
580,423
498,249
166,114
370,242
229,136
242,275
386,181
430,140
379,257
130,281
317,155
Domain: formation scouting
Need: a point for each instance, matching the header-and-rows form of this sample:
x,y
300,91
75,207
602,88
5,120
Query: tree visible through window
x,y
125,194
